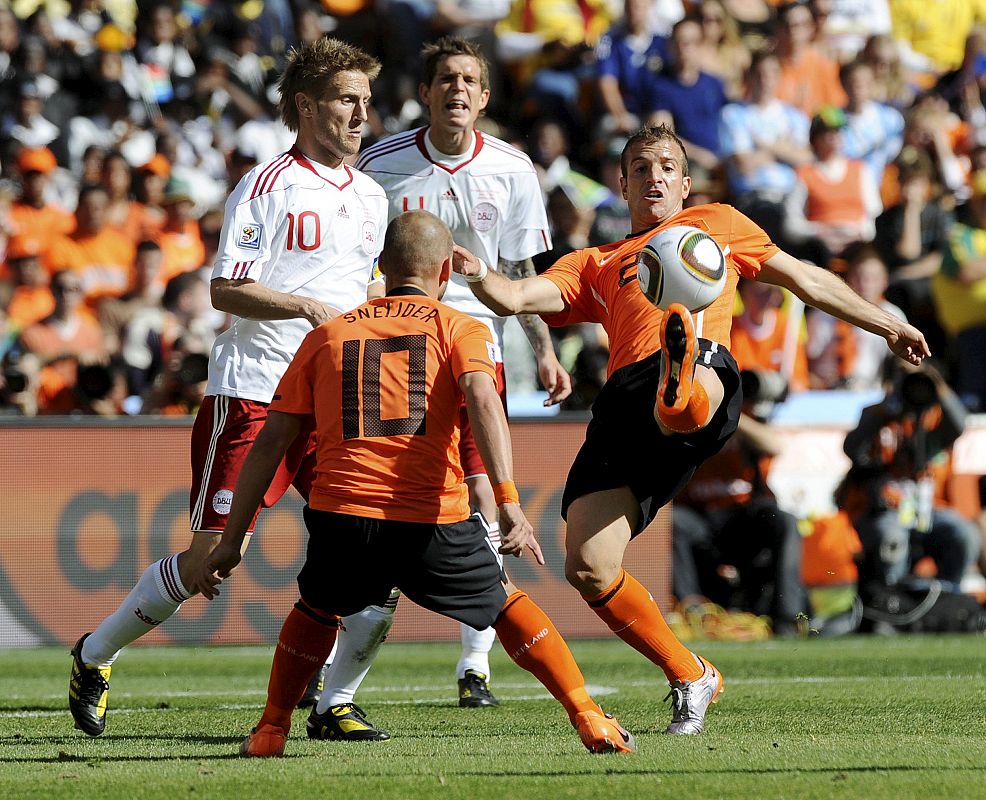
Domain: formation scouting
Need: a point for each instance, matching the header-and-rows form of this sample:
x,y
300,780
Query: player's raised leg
x,y
599,528
688,395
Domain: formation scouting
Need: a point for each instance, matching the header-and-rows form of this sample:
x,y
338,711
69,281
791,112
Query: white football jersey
x,y
296,227
489,197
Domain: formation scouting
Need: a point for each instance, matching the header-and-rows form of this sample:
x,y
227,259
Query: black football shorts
x,y
625,447
353,562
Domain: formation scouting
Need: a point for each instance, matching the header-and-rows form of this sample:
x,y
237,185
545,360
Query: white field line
x,y
441,694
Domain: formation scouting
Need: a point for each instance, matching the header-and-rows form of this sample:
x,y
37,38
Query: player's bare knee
x,y
585,576
710,381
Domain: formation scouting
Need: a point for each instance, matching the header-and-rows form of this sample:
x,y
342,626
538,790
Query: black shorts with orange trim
x,y
353,562
625,447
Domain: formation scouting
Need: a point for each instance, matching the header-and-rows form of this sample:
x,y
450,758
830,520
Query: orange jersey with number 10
x,y
599,284
383,383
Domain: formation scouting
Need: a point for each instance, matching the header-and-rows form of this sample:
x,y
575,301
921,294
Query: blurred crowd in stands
x,y
853,131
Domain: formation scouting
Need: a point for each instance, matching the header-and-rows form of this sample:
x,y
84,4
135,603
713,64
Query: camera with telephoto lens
x,y
762,390
917,391
15,380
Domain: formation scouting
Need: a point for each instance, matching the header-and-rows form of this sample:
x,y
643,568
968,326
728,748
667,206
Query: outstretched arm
x,y
823,290
536,295
553,376
489,425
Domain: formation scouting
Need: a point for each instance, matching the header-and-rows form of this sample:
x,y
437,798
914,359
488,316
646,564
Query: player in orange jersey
x,y
673,393
389,506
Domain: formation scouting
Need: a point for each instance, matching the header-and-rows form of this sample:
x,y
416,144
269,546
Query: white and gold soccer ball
x,y
683,265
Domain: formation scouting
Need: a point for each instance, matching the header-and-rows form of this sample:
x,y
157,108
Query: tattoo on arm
x,y
533,326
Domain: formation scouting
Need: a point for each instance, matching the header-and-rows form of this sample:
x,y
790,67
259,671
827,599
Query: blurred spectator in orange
x,y
626,55
63,339
766,337
32,214
123,214
723,53
809,79
31,299
841,356
101,257
148,190
835,199
181,242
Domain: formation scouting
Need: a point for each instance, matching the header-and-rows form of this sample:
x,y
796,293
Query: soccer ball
x,y
683,265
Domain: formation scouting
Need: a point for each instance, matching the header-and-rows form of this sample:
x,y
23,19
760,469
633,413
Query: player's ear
x,y
686,186
446,272
423,94
303,103
623,186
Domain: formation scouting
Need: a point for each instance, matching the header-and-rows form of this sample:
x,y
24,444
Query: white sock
x,y
359,640
476,646
332,652
154,599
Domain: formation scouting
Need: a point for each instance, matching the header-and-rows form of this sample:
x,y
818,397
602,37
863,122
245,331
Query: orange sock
x,y
693,417
304,643
533,642
631,613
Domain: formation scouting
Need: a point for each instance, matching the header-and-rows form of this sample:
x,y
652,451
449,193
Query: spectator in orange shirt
x,y
63,339
835,200
102,256
31,299
148,188
809,79
123,214
32,214
768,338
180,239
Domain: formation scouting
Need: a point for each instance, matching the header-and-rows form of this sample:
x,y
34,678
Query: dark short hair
x,y
434,53
651,134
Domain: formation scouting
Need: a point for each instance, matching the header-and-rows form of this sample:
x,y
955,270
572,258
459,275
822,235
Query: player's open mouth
x,y
456,105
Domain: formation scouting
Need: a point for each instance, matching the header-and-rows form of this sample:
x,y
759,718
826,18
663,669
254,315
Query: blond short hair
x,y
312,66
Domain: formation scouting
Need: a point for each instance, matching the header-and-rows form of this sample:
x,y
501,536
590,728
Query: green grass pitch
x,y
856,718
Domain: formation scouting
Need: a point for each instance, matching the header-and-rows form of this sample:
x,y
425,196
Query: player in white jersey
x,y
299,245
487,192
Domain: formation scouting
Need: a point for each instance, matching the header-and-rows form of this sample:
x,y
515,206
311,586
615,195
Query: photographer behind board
x,y
895,491
732,543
